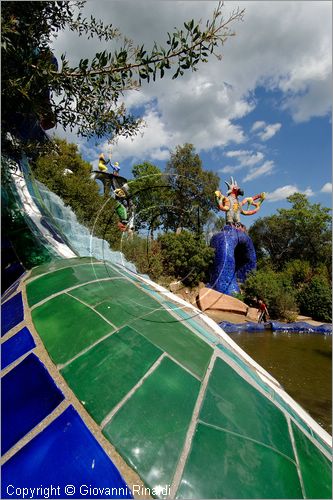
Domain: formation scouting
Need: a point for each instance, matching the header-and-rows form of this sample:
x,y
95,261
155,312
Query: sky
x,y
261,114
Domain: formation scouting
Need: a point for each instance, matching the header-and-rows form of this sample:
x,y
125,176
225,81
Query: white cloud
x,y
269,131
327,188
245,158
265,169
291,54
257,125
283,192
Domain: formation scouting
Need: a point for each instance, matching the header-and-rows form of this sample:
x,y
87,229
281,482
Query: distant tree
x,y
193,190
300,232
149,193
88,96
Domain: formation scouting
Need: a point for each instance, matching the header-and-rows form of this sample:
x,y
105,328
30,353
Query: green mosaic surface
x,y
61,279
59,264
73,327
150,429
316,484
241,446
234,405
224,465
107,372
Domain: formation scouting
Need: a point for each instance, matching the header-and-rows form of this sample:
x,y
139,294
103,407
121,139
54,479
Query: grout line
x,y
299,472
117,329
130,475
247,438
179,364
35,431
16,362
191,430
13,331
69,289
110,415
28,280
94,310
84,351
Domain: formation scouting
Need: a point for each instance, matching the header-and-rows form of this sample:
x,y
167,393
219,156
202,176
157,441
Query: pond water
x,y
301,362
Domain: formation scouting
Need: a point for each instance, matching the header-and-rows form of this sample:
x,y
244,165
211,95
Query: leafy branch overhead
x,y
88,96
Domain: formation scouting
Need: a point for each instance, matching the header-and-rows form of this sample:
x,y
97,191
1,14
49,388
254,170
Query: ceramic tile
x,y
150,429
56,281
67,327
28,395
80,462
223,465
16,346
59,264
233,404
166,332
12,313
316,469
107,372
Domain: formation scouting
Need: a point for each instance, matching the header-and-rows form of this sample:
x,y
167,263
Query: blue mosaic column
x,y
235,257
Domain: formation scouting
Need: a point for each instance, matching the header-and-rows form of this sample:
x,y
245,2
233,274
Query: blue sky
x,y
262,114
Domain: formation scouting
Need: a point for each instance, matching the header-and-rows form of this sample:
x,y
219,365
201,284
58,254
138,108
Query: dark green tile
x,y
316,469
107,372
233,404
58,264
222,465
67,327
166,332
126,299
150,429
56,281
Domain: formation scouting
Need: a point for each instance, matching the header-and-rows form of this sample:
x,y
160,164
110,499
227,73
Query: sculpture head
x,y
233,188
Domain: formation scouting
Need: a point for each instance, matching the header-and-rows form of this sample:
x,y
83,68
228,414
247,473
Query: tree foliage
x,y
185,257
276,291
300,232
315,299
149,194
193,190
89,95
77,189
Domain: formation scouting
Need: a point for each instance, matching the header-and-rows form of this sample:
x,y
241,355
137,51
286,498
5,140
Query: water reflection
x,y
301,362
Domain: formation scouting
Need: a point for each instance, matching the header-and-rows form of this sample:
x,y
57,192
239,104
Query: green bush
x,y
276,291
186,257
145,254
299,272
315,299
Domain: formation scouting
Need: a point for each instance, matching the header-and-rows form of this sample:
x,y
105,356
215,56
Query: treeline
x,y
294,251
175,217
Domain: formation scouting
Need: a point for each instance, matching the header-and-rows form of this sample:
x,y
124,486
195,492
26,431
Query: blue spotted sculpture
x,y
235,255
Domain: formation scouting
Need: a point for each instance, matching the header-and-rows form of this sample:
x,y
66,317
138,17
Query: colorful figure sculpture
x,y
235,255
117,187
102,165
233,207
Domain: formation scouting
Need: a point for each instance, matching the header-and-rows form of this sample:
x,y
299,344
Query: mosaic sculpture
x,y
235,255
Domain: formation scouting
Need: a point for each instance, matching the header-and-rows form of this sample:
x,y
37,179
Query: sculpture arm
x,y
222,202
253,201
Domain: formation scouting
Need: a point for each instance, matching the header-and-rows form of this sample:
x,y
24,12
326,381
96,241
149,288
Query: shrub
x,y
276,291
145,254
186,257
315,299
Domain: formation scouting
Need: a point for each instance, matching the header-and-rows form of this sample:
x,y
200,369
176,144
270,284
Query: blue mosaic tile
x,y
11,313
12,289
28,395
16,346
80,462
